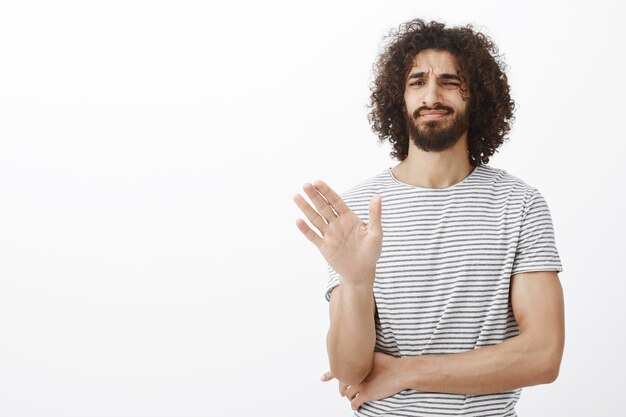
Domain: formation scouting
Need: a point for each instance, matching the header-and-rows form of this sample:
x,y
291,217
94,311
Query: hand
x,y
382,381
350,246
327,376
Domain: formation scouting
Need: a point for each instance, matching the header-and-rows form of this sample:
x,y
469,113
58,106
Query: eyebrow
x,y
442,76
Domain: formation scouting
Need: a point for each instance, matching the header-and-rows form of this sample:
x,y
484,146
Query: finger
x,y
342,388
357,401
327,376
313,216
375,210
323,206
351,392
308,232
332,197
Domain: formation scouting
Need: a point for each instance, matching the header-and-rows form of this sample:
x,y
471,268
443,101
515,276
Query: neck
x,y
435,169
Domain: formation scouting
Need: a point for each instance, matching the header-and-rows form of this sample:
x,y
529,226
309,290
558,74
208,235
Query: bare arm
x,y
533,357
352,248
352,333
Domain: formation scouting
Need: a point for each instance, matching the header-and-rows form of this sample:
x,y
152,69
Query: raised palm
x,y
349,245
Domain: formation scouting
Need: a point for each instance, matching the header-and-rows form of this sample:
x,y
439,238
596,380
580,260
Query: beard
x,y
439,134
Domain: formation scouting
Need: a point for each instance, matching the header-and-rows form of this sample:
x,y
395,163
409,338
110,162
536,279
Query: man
x,y
444,294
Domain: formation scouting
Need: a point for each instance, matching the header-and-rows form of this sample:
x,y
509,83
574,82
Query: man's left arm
x,y
531,358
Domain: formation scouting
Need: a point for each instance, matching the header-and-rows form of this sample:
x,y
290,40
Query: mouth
x,y
433,113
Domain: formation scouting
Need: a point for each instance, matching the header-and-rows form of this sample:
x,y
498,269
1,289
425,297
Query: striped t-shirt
x,y
442,280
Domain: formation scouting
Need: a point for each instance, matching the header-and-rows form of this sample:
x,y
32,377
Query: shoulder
x,y
503,180
525,195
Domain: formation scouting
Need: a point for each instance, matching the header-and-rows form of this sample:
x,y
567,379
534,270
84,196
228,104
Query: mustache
x,y
417,111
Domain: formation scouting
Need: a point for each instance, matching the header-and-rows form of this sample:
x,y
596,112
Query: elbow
x,y
551,373
551,368
350,378
548,355
350,374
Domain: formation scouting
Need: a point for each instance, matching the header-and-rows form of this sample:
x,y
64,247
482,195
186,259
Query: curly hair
x,y
490,106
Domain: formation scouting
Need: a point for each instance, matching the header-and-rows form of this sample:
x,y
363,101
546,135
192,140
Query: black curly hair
x,y
490,107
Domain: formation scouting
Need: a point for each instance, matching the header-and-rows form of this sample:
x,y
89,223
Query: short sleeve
x,y
536,247
333,281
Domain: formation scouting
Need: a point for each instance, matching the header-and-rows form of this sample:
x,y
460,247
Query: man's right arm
x,y
352,333
352,248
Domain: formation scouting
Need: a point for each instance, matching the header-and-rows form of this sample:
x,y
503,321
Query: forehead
x,y
435,61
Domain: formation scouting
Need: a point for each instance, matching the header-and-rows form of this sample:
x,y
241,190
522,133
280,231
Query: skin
x,y
533,357
352,248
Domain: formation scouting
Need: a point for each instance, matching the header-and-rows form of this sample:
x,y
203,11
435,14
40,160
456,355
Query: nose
x,y
432,94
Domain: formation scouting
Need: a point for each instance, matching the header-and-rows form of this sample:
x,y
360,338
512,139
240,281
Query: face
x,y
435,111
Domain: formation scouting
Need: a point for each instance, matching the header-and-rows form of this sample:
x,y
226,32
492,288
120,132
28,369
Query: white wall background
x,y
149,260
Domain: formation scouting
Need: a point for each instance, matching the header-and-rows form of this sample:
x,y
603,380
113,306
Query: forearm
x,y
352,333
515,363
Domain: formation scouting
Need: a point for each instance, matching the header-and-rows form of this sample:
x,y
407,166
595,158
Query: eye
x,y
419,82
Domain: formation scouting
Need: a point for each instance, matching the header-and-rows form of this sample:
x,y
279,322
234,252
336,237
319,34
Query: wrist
x,y
357,288
408,369
359,282
403,372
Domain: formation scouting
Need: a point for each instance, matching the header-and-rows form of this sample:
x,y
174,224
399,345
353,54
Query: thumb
x,y
327,376
375,212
